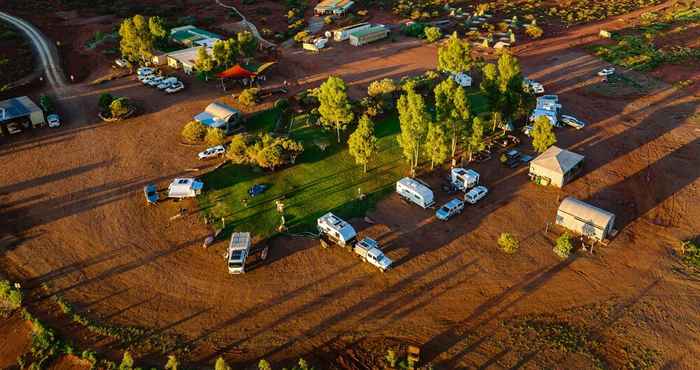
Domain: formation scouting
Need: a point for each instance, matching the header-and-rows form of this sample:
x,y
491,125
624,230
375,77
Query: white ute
x,y
368,250
415,191
463,179
237,253
336,230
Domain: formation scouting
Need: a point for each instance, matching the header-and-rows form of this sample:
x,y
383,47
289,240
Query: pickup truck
x,y
368,250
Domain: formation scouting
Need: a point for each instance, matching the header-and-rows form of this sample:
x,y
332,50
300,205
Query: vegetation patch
x,y
690,253
10,297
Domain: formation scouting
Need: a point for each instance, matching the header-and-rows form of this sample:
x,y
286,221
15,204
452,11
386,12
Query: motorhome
x,y
415,191
336,230
185,188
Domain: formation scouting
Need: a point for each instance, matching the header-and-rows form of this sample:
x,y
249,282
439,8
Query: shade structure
x,y
236,72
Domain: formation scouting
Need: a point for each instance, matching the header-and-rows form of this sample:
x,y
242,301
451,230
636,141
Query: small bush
x,y
382,87
534,32
214,136
237,150
249,97
563,246
328,20
432,34
301,36
194,132
119,107
11,297
508,243
105,101
691,253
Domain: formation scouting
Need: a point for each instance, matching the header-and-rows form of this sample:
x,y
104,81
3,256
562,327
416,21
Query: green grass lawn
x,y
325,178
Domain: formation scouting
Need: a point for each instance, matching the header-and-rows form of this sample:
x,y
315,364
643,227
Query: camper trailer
x,y
185,188
464,179
335,230
237,253
415,191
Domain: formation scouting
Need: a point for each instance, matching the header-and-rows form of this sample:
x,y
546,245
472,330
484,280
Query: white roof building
x,y
185,58
555,167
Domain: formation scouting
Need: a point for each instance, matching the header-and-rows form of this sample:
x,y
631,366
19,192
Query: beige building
x,y
585,219
555,167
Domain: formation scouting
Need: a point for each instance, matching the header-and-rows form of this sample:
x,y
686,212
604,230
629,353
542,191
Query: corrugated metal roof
x,y
367,31
586,212
192,34
558,160
17,107
332,4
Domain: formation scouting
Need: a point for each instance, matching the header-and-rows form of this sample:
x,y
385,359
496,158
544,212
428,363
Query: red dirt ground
x,y
72,196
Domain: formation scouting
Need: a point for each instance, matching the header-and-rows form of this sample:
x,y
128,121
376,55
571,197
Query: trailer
x,y
237,253
185,188
336,230
415,191
365,36
342,34
463,179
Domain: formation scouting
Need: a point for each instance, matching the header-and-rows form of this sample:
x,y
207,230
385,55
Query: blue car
x,y
257,189
451,208
151,193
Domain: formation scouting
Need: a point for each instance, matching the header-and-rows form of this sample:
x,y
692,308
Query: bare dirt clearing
x,y
73,198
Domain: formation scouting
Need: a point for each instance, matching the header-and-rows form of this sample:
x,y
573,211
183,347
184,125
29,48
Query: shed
x,y
193,36
555,167
19,111
219,115
585,219
367,35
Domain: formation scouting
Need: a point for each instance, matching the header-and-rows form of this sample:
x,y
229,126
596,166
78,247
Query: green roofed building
x,y
367,35
192,36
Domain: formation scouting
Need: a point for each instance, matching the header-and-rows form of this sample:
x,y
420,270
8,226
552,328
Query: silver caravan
x,y
415,191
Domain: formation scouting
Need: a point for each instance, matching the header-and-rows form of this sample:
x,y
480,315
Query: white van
x,y
415,191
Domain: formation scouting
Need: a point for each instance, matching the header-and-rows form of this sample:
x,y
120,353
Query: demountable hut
x,y
585,219
555,167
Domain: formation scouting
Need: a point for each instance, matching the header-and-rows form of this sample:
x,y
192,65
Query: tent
x,y
245,71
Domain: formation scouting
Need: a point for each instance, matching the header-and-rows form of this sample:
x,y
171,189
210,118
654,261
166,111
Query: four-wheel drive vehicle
x,y
415,191
212,152
336,230
53,120
368,249
451,208
573,122
151,193
476,194
178,86
237,252
606,71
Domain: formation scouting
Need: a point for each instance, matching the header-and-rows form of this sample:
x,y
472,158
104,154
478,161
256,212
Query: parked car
x,y
155,81
475,194
573,122
525,158
257,189
175,87
511,158
151,193
147,78
121,63
53,120
167,82
606,71
212,152
449,209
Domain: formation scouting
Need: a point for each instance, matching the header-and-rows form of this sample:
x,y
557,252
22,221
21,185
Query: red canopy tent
x,y
236,72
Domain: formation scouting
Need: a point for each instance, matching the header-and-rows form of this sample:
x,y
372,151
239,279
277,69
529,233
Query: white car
x,y
573,122
475,194
155,81
146,79
122,63
606,71
167,82
175,87
53,120
212,152
143,72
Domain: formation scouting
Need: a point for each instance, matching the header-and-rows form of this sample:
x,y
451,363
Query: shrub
x,y
691,253
508,243
270,152
249,96
119,107
127,362
533,31
11,297
328,20
432,34
301,36
194,132
214,136
172,363
563,246
382,87
105,101
264,365
391,358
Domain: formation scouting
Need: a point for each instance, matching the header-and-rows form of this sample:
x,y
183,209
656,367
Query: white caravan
x,y
464,179
415,191
185,188
237,253
336,230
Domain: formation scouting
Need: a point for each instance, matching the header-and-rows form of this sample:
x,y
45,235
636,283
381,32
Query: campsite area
x,y
75,228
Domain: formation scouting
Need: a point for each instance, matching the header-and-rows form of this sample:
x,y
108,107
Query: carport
x,y
17,113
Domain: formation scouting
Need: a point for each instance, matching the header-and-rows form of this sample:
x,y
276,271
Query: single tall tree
x,y
203,61
542,134
514,101
455,56
362,143
218,52
335,108
247,43
436,144
232,52
136,42
453,110
489,85
414,121
476,139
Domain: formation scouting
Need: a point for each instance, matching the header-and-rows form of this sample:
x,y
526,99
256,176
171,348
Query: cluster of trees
x,y
139,35
195,133
225,53
264,150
